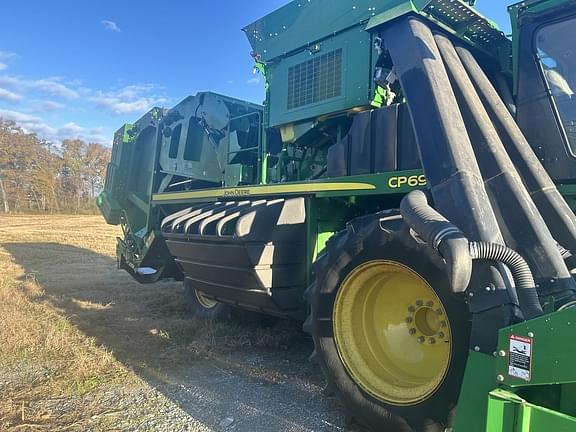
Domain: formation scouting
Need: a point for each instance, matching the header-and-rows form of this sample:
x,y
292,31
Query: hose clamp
x,y
443,234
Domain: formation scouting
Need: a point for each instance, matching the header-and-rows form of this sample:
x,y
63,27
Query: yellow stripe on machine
x,y
263,190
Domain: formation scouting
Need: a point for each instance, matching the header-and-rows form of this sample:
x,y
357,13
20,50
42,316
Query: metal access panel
x,y
333,75
189,149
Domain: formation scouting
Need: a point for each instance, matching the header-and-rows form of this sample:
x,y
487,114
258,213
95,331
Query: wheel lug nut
x,y
430,304
441,335
431,341
411,309
421,339
439,312
419,303
412,331
443,324
409,320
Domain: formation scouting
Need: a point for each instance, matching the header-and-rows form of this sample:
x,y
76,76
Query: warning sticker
x,y
520,357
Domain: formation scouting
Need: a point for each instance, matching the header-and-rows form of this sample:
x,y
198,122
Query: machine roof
x,y
302,23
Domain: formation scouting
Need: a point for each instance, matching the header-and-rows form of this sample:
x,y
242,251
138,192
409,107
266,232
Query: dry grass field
x,y
83,347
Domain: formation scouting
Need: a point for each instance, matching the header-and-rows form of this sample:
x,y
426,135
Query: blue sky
x,y
82,68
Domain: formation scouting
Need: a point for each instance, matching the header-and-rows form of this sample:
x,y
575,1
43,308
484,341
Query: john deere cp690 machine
x,y
406,191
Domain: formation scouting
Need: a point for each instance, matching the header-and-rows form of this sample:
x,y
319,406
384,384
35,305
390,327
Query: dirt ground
x,y
84,348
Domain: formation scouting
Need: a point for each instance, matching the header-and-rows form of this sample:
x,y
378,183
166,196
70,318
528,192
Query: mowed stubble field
x,y
85,348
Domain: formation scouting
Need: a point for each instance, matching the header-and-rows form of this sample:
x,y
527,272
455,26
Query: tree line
x,y
38,176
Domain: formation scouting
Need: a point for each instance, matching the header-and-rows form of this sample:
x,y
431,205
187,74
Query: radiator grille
x,y
315,80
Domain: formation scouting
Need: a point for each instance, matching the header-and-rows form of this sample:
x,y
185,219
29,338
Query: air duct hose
x,y
459,253
443,235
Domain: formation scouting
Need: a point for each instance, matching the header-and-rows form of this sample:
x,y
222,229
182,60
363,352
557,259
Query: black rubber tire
x,y
368,239
220,312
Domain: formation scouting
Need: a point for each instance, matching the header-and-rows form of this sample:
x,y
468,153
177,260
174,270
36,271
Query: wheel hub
x,y
426,322
392,332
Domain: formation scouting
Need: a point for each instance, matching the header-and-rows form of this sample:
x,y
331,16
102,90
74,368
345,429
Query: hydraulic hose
x,y
525,285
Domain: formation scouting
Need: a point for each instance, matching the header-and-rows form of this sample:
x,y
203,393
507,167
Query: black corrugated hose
x,y
458,252
525,285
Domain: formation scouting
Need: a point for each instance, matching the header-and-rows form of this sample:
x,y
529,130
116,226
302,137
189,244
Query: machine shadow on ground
x,y
253,372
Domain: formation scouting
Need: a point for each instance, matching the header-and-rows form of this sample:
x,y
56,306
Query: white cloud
x,y
134,91
17,116
253,81
10,81
48,105
111,26
74,131
129,99
118,107
49,86
5,56
39,98
54,88
30,123
71,130
8,96
126,100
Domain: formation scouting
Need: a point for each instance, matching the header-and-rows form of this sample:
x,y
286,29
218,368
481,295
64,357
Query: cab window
x,y
556,50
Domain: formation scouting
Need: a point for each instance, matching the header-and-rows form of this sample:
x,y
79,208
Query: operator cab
x,y
546,85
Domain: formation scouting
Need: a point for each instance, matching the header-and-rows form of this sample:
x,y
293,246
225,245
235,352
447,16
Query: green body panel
x,y
291,42
456,17
494,401
298,25
473,403
507,412
395,12
554,349
568,191
301,24
397,183
110,200
354,87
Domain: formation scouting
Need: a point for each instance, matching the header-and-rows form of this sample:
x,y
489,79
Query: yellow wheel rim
x,y
392,333
207,303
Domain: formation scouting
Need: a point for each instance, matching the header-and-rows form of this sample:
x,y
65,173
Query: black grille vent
x,y
315,80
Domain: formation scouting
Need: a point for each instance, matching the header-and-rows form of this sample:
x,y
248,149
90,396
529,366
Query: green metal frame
x,y
492,400
507,412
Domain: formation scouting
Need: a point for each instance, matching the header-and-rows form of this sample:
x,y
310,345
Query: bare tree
x,y
39,176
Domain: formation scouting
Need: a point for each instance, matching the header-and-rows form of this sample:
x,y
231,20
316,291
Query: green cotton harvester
x,y
406,191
